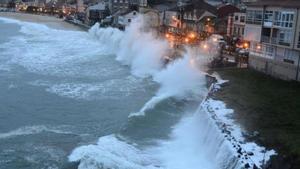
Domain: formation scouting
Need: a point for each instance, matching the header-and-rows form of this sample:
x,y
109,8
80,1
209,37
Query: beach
x,y
50,21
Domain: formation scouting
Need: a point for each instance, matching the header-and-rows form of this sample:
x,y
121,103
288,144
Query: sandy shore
x,y
50,21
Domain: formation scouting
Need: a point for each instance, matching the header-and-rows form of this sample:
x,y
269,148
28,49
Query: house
x,y
125,5
171,20
126,18
164,15
96,13
80,7
152,19
273,29
198,16
223,13
3,3
236,25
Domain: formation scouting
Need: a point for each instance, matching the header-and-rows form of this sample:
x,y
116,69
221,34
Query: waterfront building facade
x,y
273,29
236,25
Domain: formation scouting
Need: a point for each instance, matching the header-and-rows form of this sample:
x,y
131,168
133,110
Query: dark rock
x,y
250,153
239,151
255,133
255,167
247,165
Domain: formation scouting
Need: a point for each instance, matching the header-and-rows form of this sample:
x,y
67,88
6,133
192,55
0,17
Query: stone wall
x,y
277,69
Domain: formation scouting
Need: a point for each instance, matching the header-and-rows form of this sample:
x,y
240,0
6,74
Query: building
x,y
126,18
163,15
198,16
224,12
80,7
124,5
119,5
273,29
97,13
236,25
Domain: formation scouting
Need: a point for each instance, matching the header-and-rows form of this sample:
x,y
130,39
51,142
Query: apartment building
x,y
273,29
236,25
119,5
125,5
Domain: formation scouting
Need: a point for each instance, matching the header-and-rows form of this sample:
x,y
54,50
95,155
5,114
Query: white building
x,y
273,28
236,25
126,18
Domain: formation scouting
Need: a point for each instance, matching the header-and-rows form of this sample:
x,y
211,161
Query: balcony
x,y
274,40
283,43
265,39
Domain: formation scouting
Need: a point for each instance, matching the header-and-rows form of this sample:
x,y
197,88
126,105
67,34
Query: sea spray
x,y
138,49
180,79
144,53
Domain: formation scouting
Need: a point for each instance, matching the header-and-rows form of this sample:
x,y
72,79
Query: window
x,y
254,17
129,20
284,19
242,19
236,18
269,16
290,56
269,51
285,37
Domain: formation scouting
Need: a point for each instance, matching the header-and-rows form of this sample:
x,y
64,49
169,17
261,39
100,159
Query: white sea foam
x,y
31,130
48,51
222,115
194,144
110,152
7,20
111,88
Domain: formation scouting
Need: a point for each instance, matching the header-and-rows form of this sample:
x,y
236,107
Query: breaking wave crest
x,y
30,130
111,152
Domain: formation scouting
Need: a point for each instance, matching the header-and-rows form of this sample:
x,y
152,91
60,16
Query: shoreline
x,y
50,21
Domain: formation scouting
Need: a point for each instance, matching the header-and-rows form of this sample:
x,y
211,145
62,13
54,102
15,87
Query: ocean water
x,y
101,99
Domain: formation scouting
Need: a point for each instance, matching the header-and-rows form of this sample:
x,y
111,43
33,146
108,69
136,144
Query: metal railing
x,y
275,41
